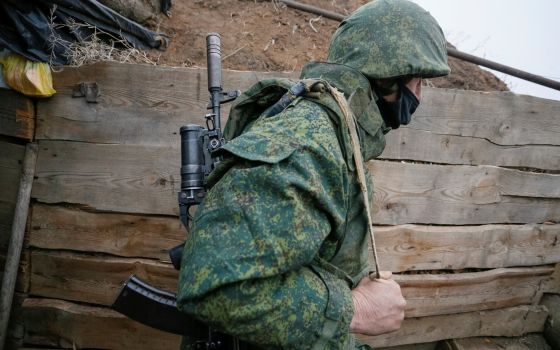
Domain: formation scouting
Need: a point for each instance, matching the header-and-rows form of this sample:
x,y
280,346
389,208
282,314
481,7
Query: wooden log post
x,y
16,240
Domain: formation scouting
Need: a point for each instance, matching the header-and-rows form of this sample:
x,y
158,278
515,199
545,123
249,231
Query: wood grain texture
x,y
417,247
510,322
11,160
426,146
17,115
92,279
97,280
401,248
142,179
55,227
462,195
528,342
139,104
62,324
443,294
457,127
502,118
121,178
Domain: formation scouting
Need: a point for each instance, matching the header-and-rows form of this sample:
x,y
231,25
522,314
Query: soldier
x,y
278,251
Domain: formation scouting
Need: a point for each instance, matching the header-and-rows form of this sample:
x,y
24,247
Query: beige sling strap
x,y
358,160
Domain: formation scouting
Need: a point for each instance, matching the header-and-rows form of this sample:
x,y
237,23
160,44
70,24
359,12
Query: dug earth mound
x,y
268,36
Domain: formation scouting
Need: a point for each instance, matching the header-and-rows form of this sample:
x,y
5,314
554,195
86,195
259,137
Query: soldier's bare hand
x,y
378,306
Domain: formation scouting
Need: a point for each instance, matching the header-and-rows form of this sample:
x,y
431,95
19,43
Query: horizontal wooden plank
x,y
97,280
416,247
92,279
502,118
17,115
59,323
451,126
527,342
401,248
462,195
148,113
426,146
122,178
71,323
510,322
141,179
440,294
55,227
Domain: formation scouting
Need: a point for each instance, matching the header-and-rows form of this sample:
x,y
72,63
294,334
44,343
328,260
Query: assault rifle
x,y
157,308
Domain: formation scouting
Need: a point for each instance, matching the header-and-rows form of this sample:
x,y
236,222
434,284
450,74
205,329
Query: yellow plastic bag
x,y
28,77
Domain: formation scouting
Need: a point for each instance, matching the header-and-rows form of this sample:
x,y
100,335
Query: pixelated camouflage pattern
x,y
280,240
281,236
390,38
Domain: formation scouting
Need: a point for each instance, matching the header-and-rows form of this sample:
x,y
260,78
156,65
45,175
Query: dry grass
x,y
98,46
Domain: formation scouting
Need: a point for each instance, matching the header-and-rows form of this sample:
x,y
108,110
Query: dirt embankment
x,y
268,36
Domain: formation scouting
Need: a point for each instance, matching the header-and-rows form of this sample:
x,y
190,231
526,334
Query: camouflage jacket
x,y
281,237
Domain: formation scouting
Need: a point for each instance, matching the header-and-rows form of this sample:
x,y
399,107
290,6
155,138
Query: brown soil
x,y
268,36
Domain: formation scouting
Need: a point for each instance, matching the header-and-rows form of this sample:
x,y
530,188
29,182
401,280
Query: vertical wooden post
x,y
16,239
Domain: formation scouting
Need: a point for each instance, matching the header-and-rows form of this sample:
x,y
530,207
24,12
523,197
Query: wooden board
x,y
97,280
121,178
501,118
11,158
510,322
552,327
70,323
462,195
457,127
426,146
441,294
62,324
528,342
139,104
142,179
17,115
91,279
401,248
416,247
56,227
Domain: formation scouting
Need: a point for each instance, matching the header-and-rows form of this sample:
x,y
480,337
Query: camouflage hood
x,y
362,101
390,38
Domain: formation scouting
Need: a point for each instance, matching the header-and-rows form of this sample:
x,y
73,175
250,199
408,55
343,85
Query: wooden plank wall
x,y
467,199
17,126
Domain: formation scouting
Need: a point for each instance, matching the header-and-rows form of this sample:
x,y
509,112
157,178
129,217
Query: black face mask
x,y
399,112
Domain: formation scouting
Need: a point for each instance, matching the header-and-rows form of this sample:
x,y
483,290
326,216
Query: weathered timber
x,y
96,280
439,133
58,323
11,160
401,248
527,342
55,227
122,178
510,322
502,118
15,332
93,279
440,294
416,247
17,115
140,104
553,284
23,273
16,237
422,346
462,195
69,322
426,146
552,327
142,179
